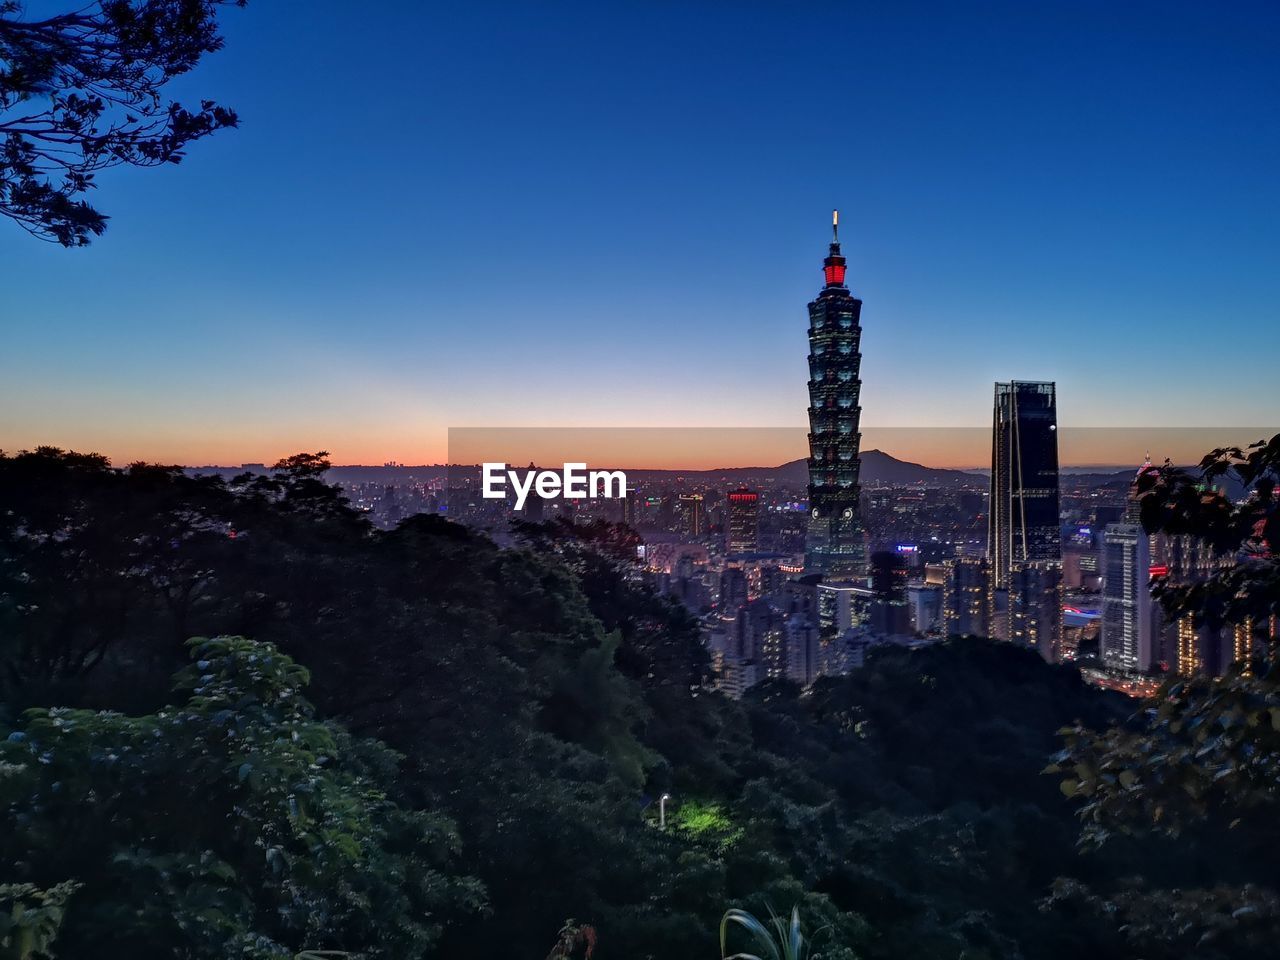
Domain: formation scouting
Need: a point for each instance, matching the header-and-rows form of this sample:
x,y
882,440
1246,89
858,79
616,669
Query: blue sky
x,y
452,214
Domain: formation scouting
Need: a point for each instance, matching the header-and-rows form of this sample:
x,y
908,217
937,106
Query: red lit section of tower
x,y
833,265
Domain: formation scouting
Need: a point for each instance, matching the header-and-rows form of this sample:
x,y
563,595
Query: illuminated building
x,y
924,600
743,526
1252,638
966,598
1128,622
841,607
889,613
835,544
1023,520
1199,648
1035,607
693,513
1188,648
772,579
774,658
1202,649
734,677
803,664
666,557
1242,635
762,638
733,592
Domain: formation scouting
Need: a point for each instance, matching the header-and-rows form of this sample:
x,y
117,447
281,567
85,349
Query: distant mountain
x,y
878,467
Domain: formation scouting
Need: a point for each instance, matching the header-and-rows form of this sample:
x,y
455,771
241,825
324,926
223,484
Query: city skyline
x,y
1005,217
468,491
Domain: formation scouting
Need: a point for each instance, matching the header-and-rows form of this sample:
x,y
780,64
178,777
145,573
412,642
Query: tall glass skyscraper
x,y
835,545
1023,519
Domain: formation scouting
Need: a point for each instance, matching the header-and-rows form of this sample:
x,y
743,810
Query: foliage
x,y
1206,747
30,918
1202,759
530,701
706,822
1203,746
1180,503
233,823
1220,923
575,940
783,942
81,92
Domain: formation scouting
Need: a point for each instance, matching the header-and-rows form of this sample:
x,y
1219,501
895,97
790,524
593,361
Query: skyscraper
x,y
743,523
1023,519
1128,625
835,545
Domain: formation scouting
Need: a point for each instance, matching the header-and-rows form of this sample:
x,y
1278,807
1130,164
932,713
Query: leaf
x,y
754,927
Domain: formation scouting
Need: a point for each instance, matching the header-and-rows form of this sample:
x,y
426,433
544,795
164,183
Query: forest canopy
x,y
415,742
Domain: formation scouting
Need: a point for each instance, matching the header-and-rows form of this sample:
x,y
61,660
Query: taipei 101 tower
x,y
835,545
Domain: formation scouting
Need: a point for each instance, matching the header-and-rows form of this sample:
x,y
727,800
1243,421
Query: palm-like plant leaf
x,y
785,942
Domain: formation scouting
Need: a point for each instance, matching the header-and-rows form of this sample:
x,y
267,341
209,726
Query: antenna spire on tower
x,y
833,266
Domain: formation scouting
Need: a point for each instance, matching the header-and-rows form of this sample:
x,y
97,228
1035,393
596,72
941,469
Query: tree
x,y
30,919
1180,503
82,91
1204,745
233,824
1202,758
538,698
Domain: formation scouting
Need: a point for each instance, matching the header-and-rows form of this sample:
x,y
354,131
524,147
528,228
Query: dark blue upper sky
x,y
443,214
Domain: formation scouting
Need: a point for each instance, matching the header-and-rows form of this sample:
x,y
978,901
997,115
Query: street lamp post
x,y
662,811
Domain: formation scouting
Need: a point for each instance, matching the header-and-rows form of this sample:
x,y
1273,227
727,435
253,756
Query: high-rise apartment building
x,y
1128,619
1035,607
693,514
966,598
924,601
733,592
742,526
841,607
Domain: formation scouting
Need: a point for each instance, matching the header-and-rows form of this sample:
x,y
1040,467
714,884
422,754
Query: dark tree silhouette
x,y
537,699
81,92
1205,746
1205,753
1181,503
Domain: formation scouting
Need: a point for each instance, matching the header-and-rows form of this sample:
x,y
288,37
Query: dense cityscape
x,y
795,572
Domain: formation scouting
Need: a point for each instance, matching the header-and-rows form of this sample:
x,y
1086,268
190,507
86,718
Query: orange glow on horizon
x,y
658,448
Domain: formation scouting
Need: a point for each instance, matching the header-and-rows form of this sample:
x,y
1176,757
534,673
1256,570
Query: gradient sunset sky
x,y
445,215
